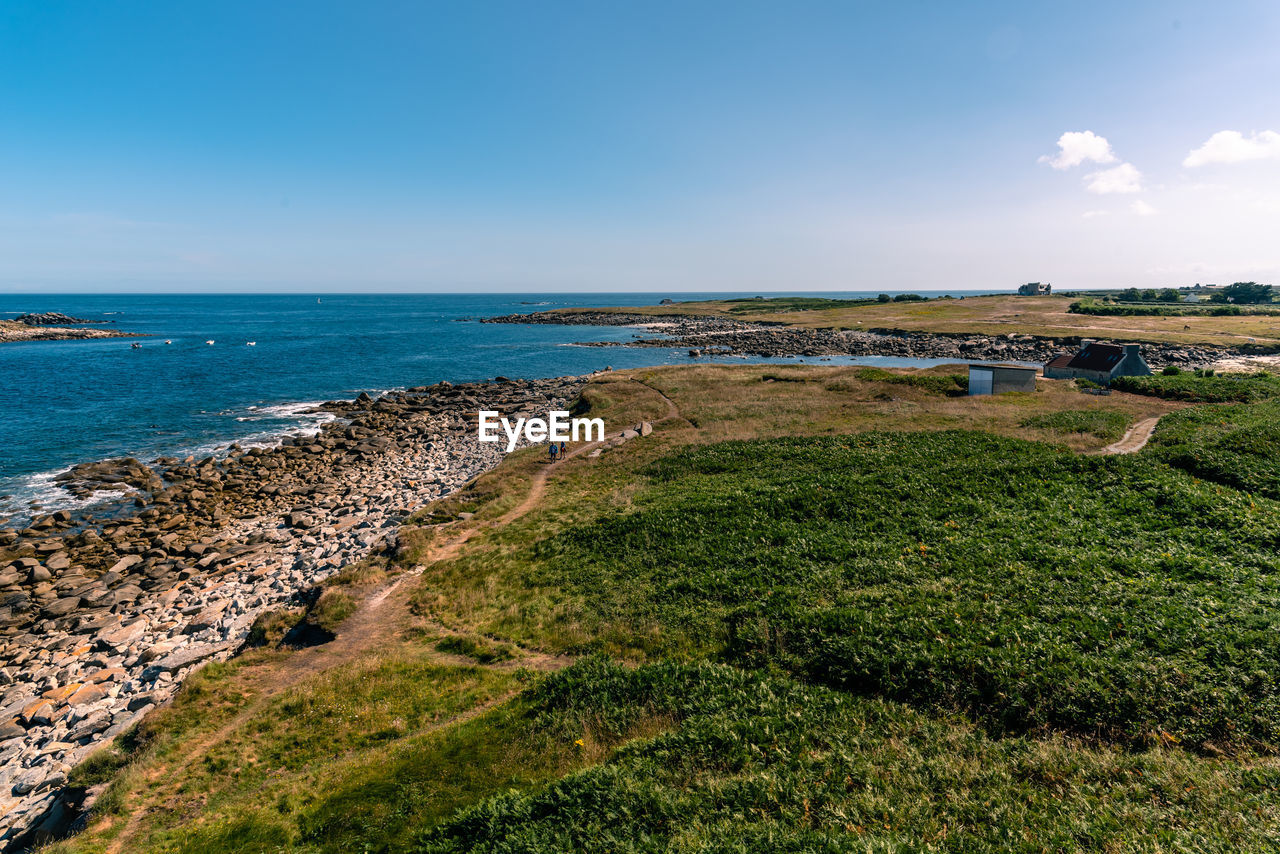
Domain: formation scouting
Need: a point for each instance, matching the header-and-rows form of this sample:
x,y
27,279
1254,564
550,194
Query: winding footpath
x,y
379,622
1135,439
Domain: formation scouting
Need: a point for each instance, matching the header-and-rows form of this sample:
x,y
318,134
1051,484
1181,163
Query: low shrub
x,y
756,762
1031,588
1237,446
1203,386
1103,423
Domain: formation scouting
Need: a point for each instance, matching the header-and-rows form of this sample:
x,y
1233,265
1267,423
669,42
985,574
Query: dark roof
x,y
1061,361
1098,357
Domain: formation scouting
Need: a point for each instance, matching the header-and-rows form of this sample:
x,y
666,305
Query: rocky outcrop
x,y
102,618
13,330
719,336
53,318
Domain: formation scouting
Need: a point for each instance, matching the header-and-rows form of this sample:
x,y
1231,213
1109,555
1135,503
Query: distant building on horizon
x,y
1099,362
1035,289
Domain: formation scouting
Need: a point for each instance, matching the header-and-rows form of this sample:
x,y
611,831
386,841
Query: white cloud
x,y
1231,146
1075,147
1141,208
1124,178
1092,214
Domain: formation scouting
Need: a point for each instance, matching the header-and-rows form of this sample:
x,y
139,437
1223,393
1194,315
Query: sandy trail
x,y
1135,439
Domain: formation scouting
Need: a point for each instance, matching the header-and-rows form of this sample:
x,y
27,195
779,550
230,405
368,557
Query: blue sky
x,y
642,146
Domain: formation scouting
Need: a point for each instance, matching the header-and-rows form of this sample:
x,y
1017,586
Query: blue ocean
x,y
75,401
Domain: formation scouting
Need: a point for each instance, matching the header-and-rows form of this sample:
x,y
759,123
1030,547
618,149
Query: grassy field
x,y
818,609
1196,388
1235,446
987,315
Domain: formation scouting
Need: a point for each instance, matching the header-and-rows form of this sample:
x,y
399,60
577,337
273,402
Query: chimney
x,y
1085,342
1132,350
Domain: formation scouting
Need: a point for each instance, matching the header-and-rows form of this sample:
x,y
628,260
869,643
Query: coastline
x,y
708,335
102,619
103,616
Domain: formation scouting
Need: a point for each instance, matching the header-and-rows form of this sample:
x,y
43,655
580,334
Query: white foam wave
x,y
42,489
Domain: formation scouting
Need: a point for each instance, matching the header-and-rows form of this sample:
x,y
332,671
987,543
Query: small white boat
x,y
136,346
168,341
209,342
251,343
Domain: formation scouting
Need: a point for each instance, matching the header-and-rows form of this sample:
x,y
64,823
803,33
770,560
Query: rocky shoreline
x,y
14,330
102,618
719,336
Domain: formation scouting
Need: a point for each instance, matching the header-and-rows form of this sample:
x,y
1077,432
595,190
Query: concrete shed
x,y
998,379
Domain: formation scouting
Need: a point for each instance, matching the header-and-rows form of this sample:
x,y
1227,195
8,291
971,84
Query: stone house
x,y
1099,362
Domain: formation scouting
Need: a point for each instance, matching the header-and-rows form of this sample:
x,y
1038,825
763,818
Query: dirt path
x,y
1135,439
673,411
376,625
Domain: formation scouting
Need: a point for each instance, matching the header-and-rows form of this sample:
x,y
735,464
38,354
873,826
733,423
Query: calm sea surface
x,y
73,401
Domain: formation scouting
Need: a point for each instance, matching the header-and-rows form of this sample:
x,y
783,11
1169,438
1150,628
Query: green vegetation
x,y
1149,295
477,650
1104,423
1245,292
1237,446
810,618
953,385
1097,309
1227,303
754,762
1204,386
352,761
270,628
1027,587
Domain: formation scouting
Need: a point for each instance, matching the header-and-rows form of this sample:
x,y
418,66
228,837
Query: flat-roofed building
x,y
998,379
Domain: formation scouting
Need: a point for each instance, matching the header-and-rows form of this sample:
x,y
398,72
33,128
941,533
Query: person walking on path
x,y
564,450
553,451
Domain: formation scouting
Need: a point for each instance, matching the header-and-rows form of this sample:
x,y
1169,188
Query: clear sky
x,y
657,146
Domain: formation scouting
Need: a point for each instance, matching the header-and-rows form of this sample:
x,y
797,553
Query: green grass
x,y
1238,446
1031,588
952,385
482,651
1222,388
759,763
1097,309
888,642
1103,423
354,760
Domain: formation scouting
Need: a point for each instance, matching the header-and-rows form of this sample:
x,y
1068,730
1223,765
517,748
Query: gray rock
x,y
32,780
125,564
181,659
141,701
